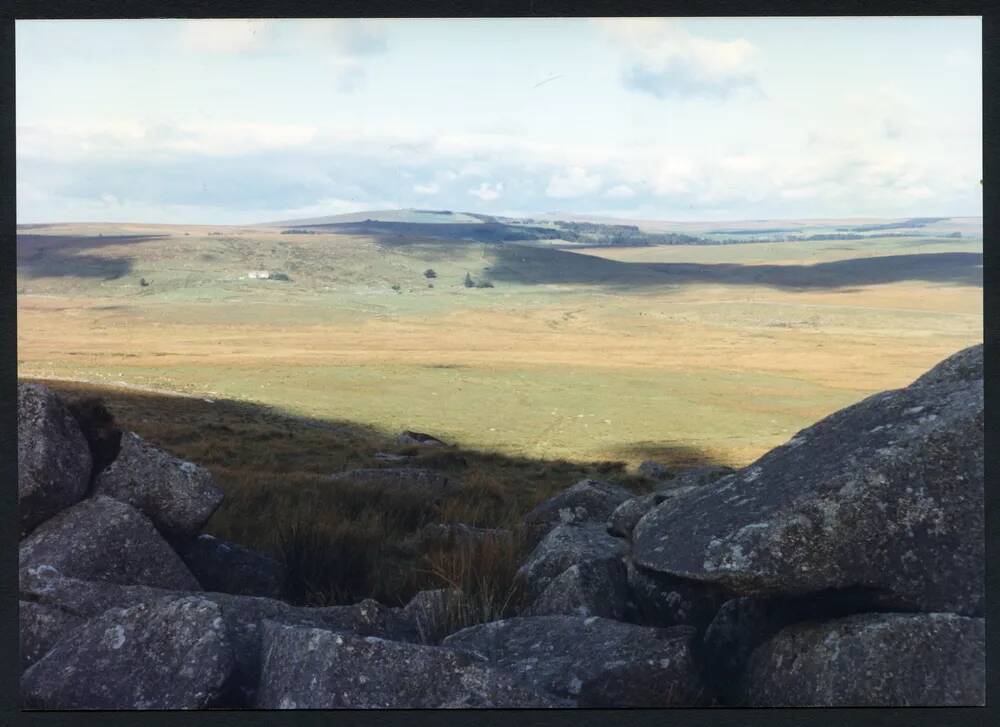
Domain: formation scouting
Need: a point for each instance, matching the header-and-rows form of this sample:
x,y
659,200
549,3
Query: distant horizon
x,y
518,215
692,119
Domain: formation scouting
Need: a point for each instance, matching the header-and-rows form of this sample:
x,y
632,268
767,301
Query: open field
x,y
675,352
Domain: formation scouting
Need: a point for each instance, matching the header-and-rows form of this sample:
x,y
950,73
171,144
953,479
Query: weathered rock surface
x,y
230,568
564,546
586,501
178,496
664,600
593,661
872,660
627,515
402,479
419,439
886,494
53,459
41,627
593,588
308,668
241,614
107,540
173,653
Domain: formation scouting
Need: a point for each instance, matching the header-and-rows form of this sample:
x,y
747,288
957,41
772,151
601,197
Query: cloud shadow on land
x,y
521,264
57,256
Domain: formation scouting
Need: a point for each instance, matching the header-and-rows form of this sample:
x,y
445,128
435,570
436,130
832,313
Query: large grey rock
x,y
627,515
886,494
594,662
883,660
53,459
41,627
230,568
178,496
173,653
107,540
241,614
308,668
564,546
399,479
586,501
593,588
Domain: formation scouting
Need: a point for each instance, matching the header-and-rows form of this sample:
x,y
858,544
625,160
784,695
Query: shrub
x,y
429,273
469,282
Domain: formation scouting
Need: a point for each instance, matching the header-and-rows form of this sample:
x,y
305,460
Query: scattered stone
x,y
876,660
402,479
53,459
104,539
627,515
41,628
565,546
390,457
173,653
654,470
178,496
886,494
308,668
593,588
586,501
230,568
595,662
242,616
409,438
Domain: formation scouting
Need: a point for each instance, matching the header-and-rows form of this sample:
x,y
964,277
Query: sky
x,y
243,121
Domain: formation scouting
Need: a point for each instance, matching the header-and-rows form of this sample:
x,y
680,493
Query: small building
x,y
259,275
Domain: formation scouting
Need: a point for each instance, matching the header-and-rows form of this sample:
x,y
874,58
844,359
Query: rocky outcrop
x,y
424,482
585,502
886,660
308,668
104,539
41,627
241,614
178,496
565,546
170,654
592,588
231,568
593,662
654,470
885,495
53,459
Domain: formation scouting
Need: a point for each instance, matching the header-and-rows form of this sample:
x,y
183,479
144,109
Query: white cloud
x,y
664,59
429,188
341,37
620,191
487,192
573,182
